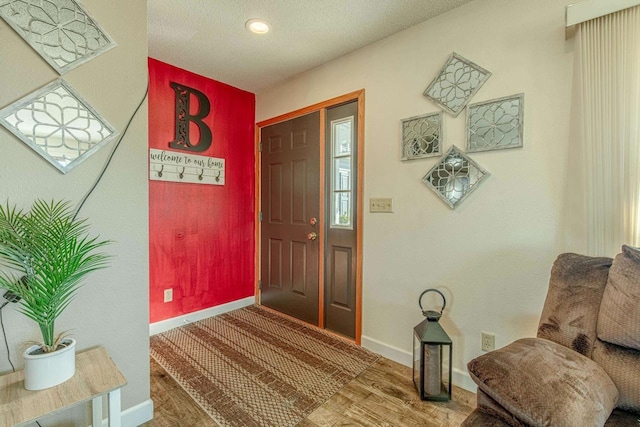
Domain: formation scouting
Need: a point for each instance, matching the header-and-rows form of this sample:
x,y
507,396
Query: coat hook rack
x,y
174,166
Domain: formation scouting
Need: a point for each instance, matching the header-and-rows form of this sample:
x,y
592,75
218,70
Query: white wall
x,y
492,255
111,310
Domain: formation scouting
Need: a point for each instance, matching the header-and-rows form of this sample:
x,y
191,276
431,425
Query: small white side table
x,y
96,375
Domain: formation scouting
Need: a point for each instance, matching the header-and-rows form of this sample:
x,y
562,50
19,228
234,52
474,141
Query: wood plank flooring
x,y
381,396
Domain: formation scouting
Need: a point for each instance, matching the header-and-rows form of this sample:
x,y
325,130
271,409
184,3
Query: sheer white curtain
x,y
608,82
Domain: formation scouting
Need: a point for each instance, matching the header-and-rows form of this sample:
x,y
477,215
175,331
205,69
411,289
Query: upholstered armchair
x,y
583,368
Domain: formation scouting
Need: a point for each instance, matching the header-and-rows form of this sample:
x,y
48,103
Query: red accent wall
x,y
201,237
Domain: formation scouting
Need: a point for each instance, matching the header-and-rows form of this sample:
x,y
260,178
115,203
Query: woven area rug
x,y
252,367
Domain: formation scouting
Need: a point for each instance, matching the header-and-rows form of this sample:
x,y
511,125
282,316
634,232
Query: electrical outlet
x,y
168,295
488,341
381,205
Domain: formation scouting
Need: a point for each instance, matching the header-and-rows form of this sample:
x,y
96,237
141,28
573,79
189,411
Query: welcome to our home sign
x,y
165,165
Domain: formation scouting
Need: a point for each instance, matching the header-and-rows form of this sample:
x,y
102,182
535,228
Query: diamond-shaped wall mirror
x,y
58,124
61,31
422,136
458,80
495,124
454,177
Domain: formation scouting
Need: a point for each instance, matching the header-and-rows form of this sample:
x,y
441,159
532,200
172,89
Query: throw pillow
x,y
619,318
546,384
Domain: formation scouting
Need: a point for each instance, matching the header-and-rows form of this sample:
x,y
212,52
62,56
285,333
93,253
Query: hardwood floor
x,y
381,396
172,406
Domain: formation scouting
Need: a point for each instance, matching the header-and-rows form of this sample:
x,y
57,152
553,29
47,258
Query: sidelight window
x,y
342,169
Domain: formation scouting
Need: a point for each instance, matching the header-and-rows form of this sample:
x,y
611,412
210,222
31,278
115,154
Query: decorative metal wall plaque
x,y
61,31
422,136
454,177
174,166
58,124
458,80
495,124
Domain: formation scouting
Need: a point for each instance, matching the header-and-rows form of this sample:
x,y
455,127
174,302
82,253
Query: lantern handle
x,y
429,313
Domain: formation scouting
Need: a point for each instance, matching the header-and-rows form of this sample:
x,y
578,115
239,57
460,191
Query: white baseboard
x,y
165,325
136,415
463,380
459,378
397,355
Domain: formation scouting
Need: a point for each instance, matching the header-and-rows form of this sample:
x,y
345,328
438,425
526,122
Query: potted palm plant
x,y
45,253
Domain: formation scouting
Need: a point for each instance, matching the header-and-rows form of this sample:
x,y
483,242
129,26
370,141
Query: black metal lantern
x,y
432,350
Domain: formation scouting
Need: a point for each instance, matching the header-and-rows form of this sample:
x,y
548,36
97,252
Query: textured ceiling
x,y
208,37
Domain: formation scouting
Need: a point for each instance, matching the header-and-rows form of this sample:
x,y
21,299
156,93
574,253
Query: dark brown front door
x,y
290,184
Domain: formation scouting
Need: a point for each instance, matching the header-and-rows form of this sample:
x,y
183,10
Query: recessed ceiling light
x,y
257,26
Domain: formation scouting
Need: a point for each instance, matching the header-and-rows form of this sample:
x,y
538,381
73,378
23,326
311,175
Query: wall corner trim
x,y
165,325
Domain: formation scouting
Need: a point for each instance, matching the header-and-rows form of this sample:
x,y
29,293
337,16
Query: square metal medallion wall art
x,y
458,80
61,31
454,177
495,124
422,136
58,124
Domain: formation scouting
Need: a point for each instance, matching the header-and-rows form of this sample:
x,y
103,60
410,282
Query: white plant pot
x,y
49,369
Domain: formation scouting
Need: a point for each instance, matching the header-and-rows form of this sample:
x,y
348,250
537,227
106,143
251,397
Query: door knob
x,y
312,236
313,221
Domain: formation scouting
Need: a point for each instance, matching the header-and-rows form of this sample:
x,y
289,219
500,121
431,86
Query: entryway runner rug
x,y
253,367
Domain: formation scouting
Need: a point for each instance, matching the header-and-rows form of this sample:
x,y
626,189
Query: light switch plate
x,y
381,205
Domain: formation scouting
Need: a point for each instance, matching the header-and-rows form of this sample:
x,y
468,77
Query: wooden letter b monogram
x,y
184,118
